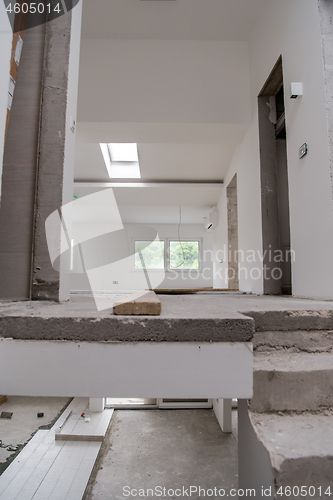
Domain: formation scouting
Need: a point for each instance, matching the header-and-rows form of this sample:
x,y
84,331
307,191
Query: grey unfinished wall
x,y
50,175
233,277
19,172
269,199
284,216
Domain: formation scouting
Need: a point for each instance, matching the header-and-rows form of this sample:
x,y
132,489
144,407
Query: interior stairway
x,y
291,412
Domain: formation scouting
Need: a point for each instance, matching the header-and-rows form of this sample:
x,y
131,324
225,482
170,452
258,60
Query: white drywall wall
x,y
290,29
6,36
127,369
223,412
123,271
164,81
249,218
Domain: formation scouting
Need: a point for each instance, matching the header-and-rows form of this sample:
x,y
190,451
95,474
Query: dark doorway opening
x,y
277,255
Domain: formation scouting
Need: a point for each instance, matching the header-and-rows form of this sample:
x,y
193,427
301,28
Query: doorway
x,y
277,253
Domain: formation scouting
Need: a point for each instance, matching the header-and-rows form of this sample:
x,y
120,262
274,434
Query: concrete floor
x,y
164,448
24,422
214,317
215,305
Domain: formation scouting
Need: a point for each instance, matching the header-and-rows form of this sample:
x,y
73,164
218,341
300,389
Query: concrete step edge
x,y
292,320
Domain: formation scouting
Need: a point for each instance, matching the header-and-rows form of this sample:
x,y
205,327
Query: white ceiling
x,y
170,20
160,196
172,76
164,214
161,162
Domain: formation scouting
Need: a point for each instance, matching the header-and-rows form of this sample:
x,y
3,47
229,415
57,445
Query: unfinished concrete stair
x,y
292,371
291,409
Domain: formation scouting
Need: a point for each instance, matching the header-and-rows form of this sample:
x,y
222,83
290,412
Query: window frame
x,y
167,267
184,240
154,270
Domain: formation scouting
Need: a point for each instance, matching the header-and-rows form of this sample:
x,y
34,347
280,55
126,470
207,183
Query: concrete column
x,y
233,279
56,148
326,28
19,171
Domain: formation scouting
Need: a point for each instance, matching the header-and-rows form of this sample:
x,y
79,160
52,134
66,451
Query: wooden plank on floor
x,y
146,304
3,399
78,437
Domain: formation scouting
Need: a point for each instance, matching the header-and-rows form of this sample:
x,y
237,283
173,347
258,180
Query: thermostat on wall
x,y
303,150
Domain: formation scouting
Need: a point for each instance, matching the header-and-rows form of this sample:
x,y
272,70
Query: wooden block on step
x,y
77,437
147,304
3,399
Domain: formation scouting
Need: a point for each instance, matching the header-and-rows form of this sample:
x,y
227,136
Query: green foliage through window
x,y
184,255
149,255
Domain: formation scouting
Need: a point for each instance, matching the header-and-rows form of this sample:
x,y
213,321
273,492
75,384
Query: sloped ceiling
x,y
172,76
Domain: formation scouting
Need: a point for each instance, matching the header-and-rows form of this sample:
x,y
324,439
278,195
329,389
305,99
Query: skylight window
x,y
121,160
123,151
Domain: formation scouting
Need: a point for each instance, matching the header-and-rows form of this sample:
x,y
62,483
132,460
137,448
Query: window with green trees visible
x,y
184,254
149,254
180,255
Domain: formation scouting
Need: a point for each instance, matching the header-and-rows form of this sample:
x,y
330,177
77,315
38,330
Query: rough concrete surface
x,y
167,448
299,341
19,171
292,381
204,318
140,329
201,305
24,422
233,279
190,318
300,448
302,319
51,152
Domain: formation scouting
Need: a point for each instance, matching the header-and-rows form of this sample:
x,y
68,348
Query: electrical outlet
x,y
115,282
303,150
